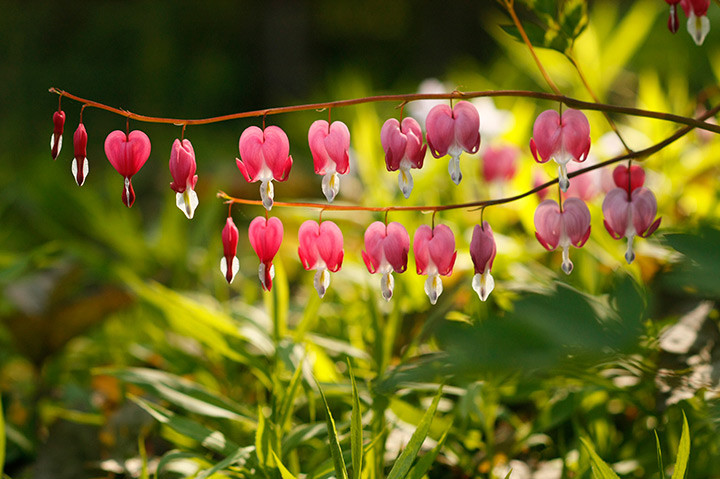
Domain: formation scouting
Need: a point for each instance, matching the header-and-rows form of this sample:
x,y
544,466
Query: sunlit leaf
x,y
334,443
600,469
683,453
356,433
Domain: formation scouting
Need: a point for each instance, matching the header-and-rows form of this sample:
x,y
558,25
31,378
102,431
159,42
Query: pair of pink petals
x,y
80,166
404,149
229,264
451,131
630,215
127,153
499,163
482,252
320,248
435,255
554,227
265,156
330,146
561,138
386,251
266,235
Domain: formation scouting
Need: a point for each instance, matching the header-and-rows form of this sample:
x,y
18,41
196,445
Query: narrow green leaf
x,y
424,463
661,468
404,462
600,470
240,456
337,454
171,456
259,436
283,470
2,437
356,433
683,451
286,407
507,476
143,457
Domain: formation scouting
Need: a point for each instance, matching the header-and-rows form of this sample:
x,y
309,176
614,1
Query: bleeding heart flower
x,y
265,237
555,227
629,179
182,169
80,166
321,249
387,252
673,22
127,153
499,163
482,252
329,145
229,264
56,137
265,157
450,131
628,219
404,149
561,138
435,255
698,24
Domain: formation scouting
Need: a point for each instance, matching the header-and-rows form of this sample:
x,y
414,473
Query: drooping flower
x,y
673,22
499,163
329,145
435,255
387,252
80,166
56,137
229,264
321,249
698,24
404,149
561,138
628,179
127,153
555,227
265,157
450,131
482,252
630,215
265,236
182,169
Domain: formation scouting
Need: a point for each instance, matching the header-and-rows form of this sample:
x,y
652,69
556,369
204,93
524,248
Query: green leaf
x,y
600,470
283,470
261,439
213,440
404,462
356,433
2,437
239,457
661,467
683,451
286,407
334,443
174,455
424,463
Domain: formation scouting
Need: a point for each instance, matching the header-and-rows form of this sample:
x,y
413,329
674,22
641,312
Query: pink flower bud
x,y
80,166
450,131
329,145
321,249
56,137
404,149
561,138
562,228
435,255
499,163
127,153
229,264
182,169
632,179
632,218
265,157
386,252
482,252
265,236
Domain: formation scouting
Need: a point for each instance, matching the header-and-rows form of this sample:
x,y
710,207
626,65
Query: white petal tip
x,y
187,202
454,170
322,281
267,192
405,181
433,287
387,284
698,27
331,186
233,269
567,266
483,284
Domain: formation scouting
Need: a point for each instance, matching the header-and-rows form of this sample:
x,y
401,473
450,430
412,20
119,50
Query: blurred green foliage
x,y
122,349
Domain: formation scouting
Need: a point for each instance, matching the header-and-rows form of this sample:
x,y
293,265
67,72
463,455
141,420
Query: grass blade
x,y
337,455
683,451
356,433
423,465
600,470
286,407
661,467
404,462
283,470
